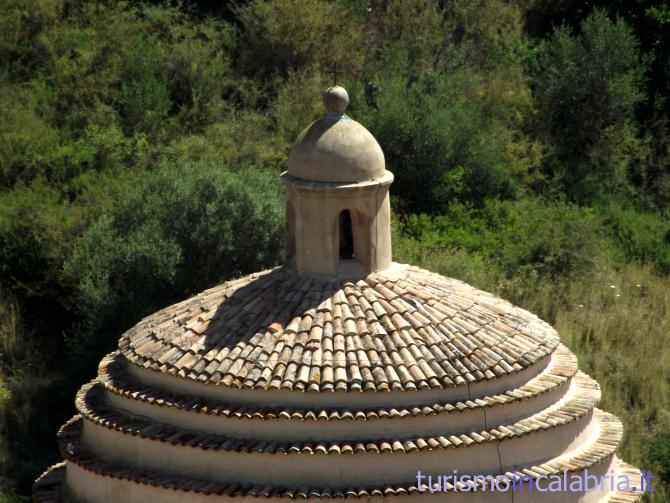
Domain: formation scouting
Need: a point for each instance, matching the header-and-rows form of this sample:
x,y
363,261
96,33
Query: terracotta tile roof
x,y
92,407
406,329
633,474
48,488
113,377
598,451
69,431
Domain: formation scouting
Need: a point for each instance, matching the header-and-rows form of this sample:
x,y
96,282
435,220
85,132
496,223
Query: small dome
x,y
336,148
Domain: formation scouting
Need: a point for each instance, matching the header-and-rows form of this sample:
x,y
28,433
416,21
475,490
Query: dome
x,y
282,386
340,375
402,329
336,148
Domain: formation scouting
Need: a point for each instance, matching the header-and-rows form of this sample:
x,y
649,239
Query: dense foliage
x,y
174,231
140,145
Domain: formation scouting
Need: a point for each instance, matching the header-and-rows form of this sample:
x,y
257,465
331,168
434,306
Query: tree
x,y
173,232
586,88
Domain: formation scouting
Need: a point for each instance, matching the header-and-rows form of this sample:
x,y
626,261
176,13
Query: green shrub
x,y
415,33
240,140
282,35
439,143
586,85
640,236
658,457
426,36
651,176
24,44
35,237
27,140
13,497
145,94
172,233
552,240
120,79
299,101
486,34
198,69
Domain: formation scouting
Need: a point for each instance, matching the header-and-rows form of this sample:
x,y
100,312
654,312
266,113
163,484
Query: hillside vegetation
x,y
140,145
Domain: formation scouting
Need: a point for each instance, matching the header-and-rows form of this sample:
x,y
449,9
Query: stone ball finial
x,y
336,99
336,148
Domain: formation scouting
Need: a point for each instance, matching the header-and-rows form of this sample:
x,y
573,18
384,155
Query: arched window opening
x,y
346,236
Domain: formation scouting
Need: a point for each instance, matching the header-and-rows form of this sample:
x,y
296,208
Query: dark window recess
x,y
346,236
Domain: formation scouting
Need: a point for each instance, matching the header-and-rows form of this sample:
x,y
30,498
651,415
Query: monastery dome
x,y
336,148
340,374
402,329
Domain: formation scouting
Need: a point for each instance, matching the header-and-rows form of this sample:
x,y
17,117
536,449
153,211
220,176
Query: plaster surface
x,y
336,149
88,487
313,213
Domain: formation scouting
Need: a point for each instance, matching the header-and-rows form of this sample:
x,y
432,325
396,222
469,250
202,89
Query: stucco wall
x,y
315,210
88,487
